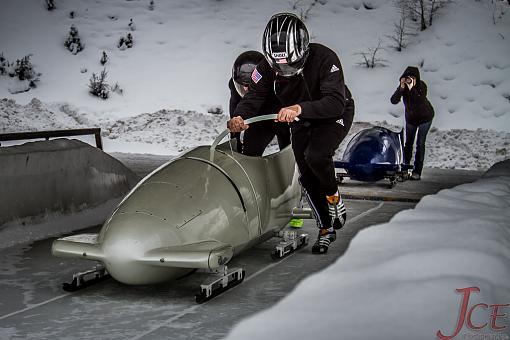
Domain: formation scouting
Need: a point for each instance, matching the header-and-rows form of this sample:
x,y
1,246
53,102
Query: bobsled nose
x,y
126,239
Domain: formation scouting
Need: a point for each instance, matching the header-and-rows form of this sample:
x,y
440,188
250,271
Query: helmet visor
x,y
240,88
288,70
242,75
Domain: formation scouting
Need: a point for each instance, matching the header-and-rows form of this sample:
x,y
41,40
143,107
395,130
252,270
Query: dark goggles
x,y
290,69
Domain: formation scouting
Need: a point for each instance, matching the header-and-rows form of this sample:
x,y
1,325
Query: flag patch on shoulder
x,y
334,68
256,76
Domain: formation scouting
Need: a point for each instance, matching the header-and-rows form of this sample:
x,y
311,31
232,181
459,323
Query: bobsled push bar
x,y
227,131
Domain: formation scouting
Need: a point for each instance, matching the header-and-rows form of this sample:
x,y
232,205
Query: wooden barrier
x,y
53,134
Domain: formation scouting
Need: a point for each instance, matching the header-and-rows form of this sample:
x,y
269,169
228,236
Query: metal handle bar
x,y
227,131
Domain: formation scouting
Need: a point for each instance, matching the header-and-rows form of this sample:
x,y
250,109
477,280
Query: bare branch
x,y
304,11
370,59
400,33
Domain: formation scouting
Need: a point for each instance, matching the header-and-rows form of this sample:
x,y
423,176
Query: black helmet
x,y
243,68
285,44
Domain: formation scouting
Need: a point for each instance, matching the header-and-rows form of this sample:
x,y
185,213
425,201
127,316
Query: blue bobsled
x,y
372,155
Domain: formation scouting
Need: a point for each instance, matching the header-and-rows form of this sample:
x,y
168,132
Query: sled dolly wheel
x,y
201,297
70,287
393,182
275,255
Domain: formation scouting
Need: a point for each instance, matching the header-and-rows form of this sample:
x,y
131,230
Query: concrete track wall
x,y
57,176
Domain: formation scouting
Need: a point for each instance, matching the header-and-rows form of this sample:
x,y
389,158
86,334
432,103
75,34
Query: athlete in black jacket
x,y
418,113
260,134
308,81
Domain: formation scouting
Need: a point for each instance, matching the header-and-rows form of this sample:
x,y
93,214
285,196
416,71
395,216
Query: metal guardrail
x,y
53,134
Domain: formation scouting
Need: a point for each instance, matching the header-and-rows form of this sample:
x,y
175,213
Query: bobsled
x,y
197,211
372,155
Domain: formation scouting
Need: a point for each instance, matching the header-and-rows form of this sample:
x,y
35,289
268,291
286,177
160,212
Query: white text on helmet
x,y
279,55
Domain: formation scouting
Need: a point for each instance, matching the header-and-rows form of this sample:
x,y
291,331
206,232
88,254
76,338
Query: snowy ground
x,y
183,53
398,280
173,131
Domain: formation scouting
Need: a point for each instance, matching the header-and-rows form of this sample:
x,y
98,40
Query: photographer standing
x,y
418,113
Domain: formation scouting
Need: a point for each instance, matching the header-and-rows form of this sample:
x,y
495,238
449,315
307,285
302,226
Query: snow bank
x,y
398,280
42,180
170,132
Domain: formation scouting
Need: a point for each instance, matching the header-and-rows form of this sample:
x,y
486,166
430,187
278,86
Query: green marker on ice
x,y
296,223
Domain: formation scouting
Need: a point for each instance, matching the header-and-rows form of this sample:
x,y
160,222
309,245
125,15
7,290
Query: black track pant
x,y
314,145
258,136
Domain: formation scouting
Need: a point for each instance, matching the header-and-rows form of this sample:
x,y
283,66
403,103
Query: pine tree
x,y
129,40
122,43
50,5
24,69
98,85
73,41
4,64
104,59
125,42
131,25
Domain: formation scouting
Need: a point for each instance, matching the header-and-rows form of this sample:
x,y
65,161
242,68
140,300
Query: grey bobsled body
x,y
196,211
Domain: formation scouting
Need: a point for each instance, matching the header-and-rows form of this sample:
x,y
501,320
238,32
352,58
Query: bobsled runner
x,y
372,155
195,212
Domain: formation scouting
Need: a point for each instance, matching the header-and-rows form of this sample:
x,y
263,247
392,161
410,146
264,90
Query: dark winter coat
x,y
418,109
270,106
319,90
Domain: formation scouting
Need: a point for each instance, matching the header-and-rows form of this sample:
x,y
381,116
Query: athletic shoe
x,y
323,241
337,210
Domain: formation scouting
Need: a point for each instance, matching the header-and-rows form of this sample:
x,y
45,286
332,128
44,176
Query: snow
x,y
169,132
183,51
398,280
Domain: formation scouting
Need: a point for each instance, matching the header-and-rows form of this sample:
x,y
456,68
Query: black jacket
x,y
270,106
418,109
319,90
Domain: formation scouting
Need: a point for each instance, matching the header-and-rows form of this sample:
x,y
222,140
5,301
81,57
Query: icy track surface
x,y
173,131
398,280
